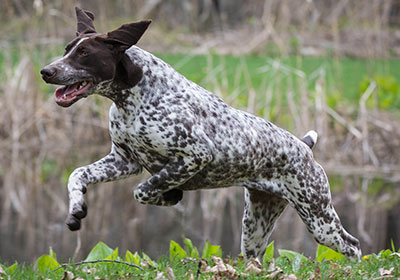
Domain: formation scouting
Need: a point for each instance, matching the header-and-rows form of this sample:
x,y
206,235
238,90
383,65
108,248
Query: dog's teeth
x,y
82,84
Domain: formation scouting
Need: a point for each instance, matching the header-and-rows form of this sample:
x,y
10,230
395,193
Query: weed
x,y
104,262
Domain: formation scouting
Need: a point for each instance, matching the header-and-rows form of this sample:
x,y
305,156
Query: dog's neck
x,y
156,74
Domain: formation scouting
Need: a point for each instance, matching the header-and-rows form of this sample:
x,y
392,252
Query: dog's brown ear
x,y
85,21
127,73
128,34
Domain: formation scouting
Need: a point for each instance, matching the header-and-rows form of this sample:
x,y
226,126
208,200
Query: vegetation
x,y
331,66
298,93
104,262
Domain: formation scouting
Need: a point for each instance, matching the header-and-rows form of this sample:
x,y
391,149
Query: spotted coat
x,y
190,139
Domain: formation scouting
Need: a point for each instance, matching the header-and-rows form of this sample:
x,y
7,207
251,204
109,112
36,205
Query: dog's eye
x,y
82,52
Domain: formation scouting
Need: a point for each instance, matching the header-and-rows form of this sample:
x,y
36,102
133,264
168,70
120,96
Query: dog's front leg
x,y
109,168
160,189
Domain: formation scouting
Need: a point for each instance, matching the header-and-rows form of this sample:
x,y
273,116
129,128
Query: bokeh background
x,y
328,65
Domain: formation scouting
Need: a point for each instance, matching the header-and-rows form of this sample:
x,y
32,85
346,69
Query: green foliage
x,y
49,167
10,270
192,251
211,250
99,252
392,245
146,259
291,255
132,258
46,263
176,252
328,264
326,253
386,95
113,256
269,252
384,253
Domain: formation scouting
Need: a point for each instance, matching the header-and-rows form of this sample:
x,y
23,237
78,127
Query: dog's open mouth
x,y
69,94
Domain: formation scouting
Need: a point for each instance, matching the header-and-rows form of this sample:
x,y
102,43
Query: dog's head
x,y
92,58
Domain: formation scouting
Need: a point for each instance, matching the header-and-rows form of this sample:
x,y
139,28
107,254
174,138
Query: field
x,y
104,262
232,77
330,66
248,82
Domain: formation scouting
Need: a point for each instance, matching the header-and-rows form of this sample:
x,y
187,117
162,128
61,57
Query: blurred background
x,y
328,65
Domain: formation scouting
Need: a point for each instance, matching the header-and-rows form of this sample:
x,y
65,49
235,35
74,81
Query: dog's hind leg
x,y
261,211
310,195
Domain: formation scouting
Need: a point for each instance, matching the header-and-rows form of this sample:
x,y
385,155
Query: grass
x,y
188,264
233,76
344,77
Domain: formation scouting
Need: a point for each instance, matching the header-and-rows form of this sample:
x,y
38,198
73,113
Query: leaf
x,y
393,247
149,260
269,252
296,263
132,258
176,252
320,251
327,253
211,250
192,251
11,268
52,253
45,263
385,253
290,255
113,255
99,252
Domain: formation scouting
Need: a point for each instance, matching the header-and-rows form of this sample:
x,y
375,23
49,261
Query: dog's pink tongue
x,y
66,90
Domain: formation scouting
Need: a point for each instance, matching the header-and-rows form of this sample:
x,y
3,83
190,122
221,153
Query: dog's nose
x,y
48,72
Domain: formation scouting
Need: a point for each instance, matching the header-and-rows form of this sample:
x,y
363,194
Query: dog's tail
x,y
310,139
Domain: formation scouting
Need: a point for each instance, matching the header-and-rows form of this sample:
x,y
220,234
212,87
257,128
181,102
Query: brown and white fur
x,y
189,139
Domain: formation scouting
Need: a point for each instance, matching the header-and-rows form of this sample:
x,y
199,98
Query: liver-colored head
x,y
92,58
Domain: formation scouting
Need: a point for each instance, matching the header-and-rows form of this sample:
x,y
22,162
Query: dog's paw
x,y
73,223
172,197
79,211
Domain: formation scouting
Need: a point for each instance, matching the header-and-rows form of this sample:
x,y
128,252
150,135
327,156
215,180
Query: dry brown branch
x,y
343,122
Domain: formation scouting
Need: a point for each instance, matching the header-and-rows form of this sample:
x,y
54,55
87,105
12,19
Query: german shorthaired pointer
x,y
189,139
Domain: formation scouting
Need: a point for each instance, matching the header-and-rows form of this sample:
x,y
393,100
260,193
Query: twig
x,y
343,122
99,261
363,119
78,244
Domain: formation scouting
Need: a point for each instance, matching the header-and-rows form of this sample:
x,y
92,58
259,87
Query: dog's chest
x,y
138,139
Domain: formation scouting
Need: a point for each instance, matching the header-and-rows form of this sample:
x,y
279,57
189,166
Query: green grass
x,y
344,79
187,264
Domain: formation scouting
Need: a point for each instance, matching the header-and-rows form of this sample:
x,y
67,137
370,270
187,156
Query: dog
x,y
189,139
